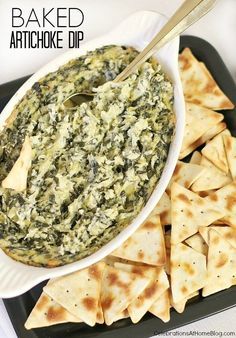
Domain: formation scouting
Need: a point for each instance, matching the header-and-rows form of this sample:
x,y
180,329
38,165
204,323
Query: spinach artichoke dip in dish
x,y
73,178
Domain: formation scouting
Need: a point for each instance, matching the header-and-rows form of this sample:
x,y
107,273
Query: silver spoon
x,y
190,12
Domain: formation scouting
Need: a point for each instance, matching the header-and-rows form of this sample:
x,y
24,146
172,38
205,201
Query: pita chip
x,y
188,212
17,177
119,289
79,292
163,209
221,264
180,306
198,121
214,151
161,307
226,232
213,131
156,287
188,271
47,312
185,174
196,158
213,178
146,245
198,84
197,243
225,200
230,149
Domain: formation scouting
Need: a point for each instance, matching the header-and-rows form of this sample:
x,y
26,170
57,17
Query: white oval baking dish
x,y
137,30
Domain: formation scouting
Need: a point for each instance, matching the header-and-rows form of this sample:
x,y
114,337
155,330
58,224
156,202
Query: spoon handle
x,y
190,12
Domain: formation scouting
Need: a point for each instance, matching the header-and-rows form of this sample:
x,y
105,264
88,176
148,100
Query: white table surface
x,y
218,27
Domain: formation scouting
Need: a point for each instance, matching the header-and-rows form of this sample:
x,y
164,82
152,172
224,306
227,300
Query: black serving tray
x,y
19,307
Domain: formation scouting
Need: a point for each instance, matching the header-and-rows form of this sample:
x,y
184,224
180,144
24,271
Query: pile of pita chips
x,y
119,289
226,232
198,84
213,177
185,174
225,199
185,248
153,291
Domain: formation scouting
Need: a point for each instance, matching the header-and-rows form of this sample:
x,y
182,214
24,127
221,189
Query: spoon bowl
x,y
77,99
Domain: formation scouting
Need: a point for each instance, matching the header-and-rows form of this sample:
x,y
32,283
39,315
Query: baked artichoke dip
x,y
73,178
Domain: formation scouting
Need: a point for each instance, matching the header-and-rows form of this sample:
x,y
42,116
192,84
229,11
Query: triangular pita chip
x,y
180,306
79,292
213,131
48,312
185,174
221,264
196,158
188,271
213,178
146,245
156,287
230,149
214,151
119,289
17,177
197,243
188,212
198,121
225,200
161,307
198,84
163,209
226,232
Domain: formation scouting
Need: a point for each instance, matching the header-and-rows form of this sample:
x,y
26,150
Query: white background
x,y
218,27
